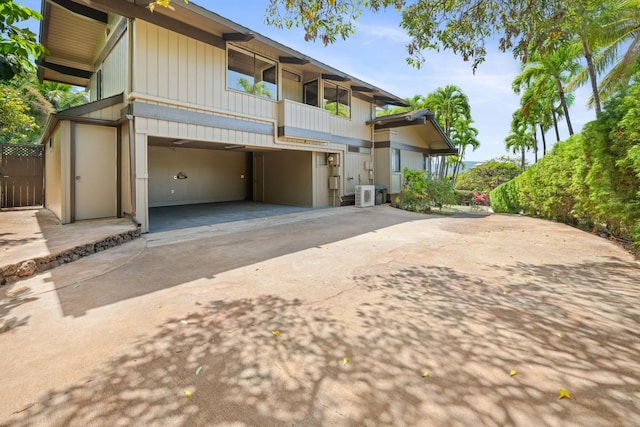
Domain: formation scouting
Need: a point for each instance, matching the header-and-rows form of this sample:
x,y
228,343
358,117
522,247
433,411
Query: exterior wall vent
x,y
365,195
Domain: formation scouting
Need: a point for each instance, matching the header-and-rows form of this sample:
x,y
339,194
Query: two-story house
x,y
188,107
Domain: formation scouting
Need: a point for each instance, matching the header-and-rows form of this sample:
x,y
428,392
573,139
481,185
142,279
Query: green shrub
x,y
421,191
505,199
464,197
593,178
486,176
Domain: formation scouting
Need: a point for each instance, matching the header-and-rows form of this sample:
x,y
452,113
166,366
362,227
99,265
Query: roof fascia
x,y
401,123
70,71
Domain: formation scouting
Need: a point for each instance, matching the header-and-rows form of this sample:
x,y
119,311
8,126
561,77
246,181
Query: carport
x,y
196,183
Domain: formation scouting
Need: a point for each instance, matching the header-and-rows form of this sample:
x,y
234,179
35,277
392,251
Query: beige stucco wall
x,y
288,178
212,176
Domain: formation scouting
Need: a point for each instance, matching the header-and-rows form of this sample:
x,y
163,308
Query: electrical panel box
x,y
333,159
334,182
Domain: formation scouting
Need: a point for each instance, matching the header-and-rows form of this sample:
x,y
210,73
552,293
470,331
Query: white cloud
x,y
375,33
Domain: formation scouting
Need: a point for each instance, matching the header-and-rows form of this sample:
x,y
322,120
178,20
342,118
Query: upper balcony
x,y
305,122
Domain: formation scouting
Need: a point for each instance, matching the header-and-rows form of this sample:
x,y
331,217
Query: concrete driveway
x,y
178,329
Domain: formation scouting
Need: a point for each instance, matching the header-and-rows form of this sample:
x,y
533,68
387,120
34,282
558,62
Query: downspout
x,y
132,150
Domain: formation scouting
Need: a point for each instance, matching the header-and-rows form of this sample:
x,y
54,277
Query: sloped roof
x,y
426,124
71,30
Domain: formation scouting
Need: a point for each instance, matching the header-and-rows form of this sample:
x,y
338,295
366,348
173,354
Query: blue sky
x,y
376,54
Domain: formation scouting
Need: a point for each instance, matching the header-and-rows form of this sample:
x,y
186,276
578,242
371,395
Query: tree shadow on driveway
x,y
164,265
569,327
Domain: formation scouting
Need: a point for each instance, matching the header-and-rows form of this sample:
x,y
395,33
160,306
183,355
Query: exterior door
x,y
95,172
258,177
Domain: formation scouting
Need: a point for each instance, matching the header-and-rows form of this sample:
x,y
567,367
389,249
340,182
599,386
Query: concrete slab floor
x,y
179,331
167,218
33,233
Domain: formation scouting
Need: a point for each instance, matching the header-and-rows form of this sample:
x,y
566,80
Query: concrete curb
x,y
14,272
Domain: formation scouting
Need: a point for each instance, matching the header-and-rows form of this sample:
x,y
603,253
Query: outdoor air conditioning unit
x,y
365,195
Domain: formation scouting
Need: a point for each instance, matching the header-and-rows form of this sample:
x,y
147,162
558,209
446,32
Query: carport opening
x,y
196,183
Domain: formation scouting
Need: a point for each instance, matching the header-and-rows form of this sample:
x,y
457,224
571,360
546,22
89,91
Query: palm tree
x,y
62,96
255,89
623,27
448,104
554,66
599,28
520,139
464,135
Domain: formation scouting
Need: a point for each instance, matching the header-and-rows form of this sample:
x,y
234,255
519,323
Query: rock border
x,y
12,273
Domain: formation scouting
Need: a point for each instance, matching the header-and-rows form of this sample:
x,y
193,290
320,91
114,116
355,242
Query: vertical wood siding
x,y
355,171
125,190
291,89
412,160
53,173
382,157
174,67
115,68
322,195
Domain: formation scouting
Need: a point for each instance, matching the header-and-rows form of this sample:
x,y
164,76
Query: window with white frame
x,y
251,73
395,160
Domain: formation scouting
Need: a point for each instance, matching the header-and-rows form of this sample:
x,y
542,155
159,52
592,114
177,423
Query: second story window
x,y
251,73
310,93
337,100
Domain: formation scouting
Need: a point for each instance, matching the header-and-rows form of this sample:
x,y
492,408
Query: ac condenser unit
x,y
365,195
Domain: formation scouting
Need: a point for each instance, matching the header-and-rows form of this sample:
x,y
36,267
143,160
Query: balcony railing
x,y
301,121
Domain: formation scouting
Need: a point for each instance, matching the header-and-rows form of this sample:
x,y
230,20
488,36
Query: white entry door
x,y
95,172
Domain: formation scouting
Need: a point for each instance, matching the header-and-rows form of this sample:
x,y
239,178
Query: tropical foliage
x,y
16,124
18,44
592,179
485,177
27,104
421,191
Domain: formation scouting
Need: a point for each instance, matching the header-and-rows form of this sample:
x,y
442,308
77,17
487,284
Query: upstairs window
x,y
310,93
337,100
251,73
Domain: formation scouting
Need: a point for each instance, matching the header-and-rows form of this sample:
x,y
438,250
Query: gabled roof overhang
x,y
72,29
425,124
